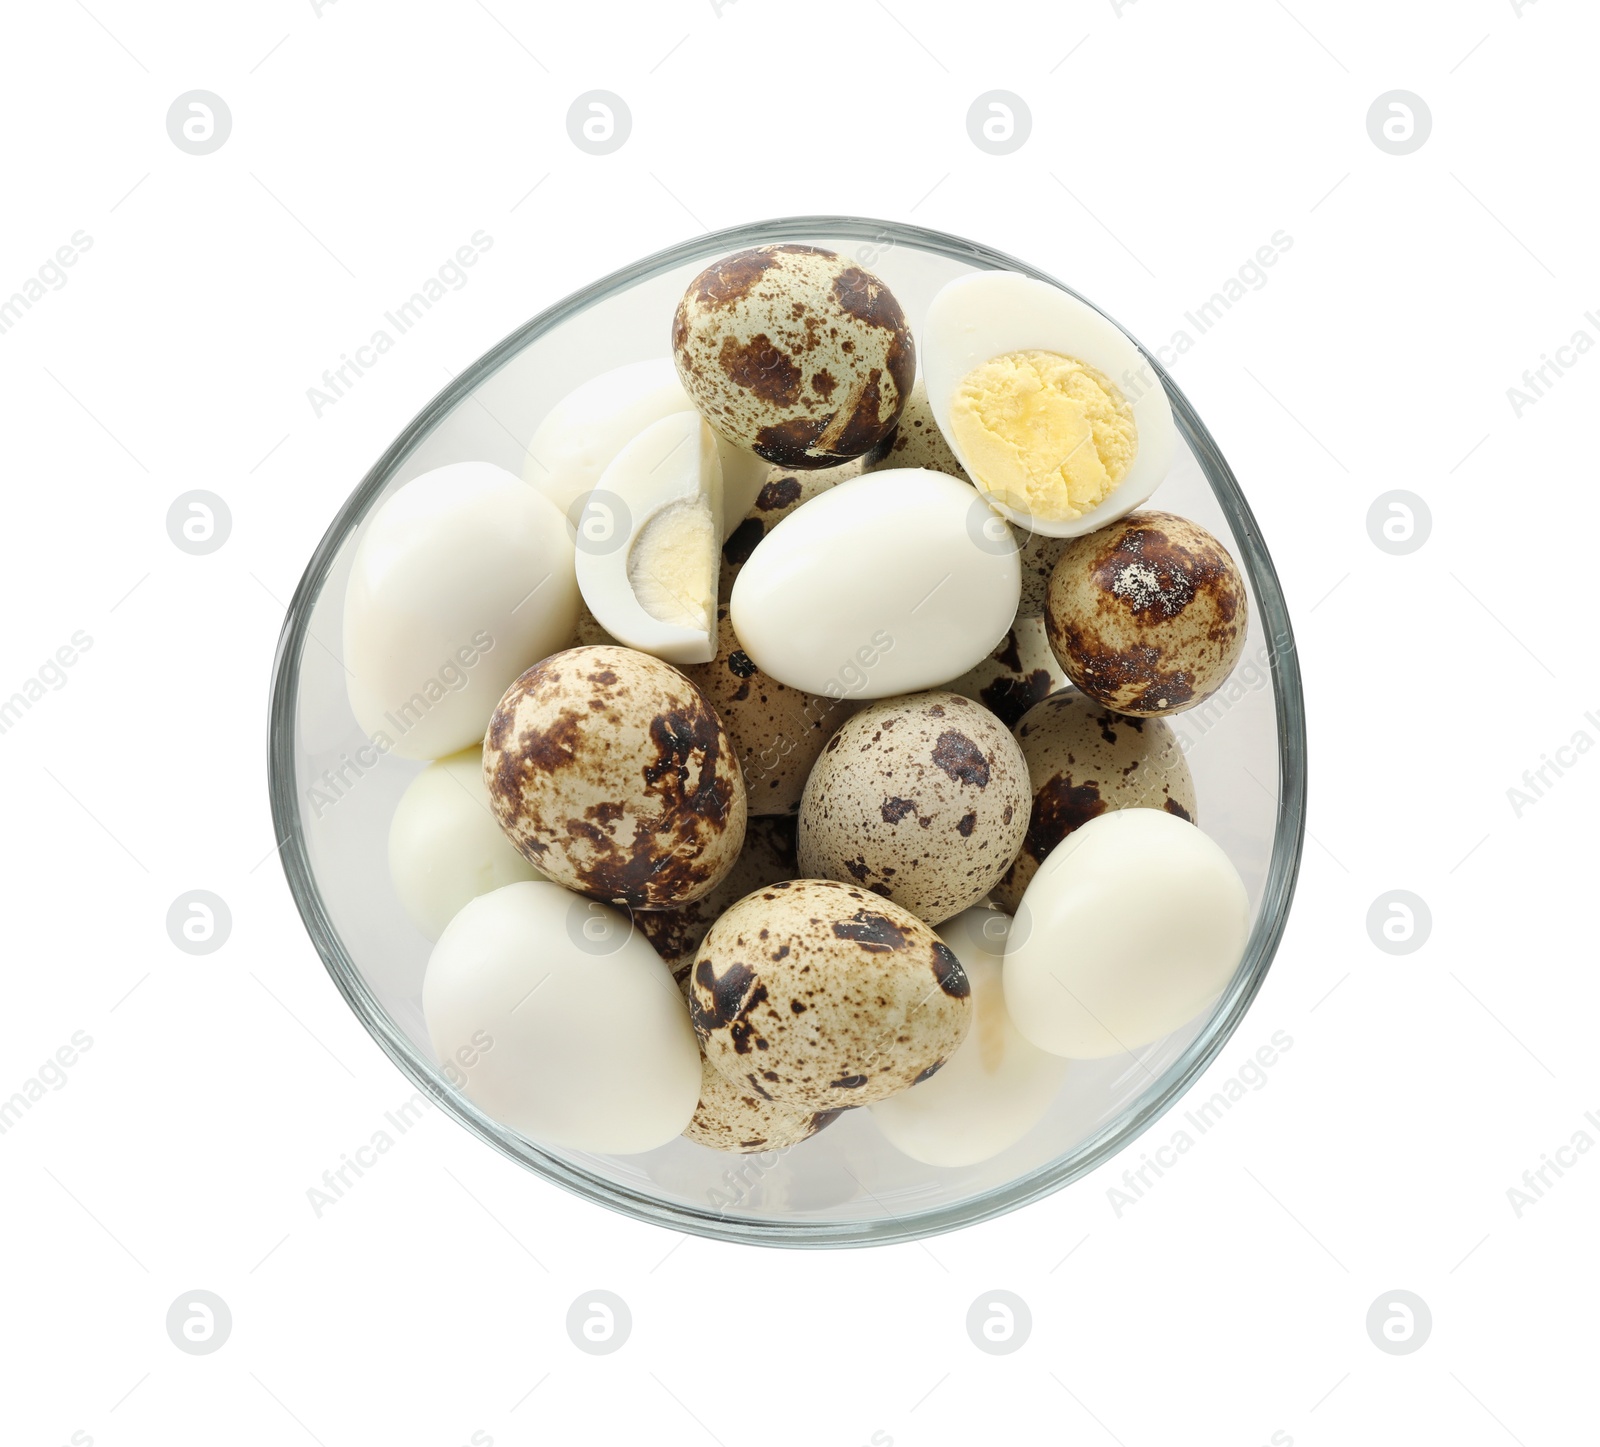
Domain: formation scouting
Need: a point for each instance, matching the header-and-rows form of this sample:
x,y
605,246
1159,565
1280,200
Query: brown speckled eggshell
x,y
1018,674
1085,761
1147,615
735,1115
777,731
921,799
783,491
795,353
768,855
612,774
823,996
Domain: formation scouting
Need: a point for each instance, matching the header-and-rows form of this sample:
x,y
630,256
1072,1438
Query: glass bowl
x,y
333,795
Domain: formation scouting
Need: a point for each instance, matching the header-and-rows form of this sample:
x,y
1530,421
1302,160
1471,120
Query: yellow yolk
x,y
1045,434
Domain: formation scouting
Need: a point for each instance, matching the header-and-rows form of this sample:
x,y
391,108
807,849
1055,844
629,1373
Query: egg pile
x,y
795,724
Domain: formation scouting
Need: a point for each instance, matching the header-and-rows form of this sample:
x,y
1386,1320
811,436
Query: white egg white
x,y
989,314
1134,923
587,428
649,541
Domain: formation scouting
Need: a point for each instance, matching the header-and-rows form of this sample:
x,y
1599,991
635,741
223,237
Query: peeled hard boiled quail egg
x,y
780,495
463,578
1084,761
1131,927
1148,615
593,423
996,1087
795,353
886,584
445,845
1050,408
611,773
648,538
922,800
575,1041
824,996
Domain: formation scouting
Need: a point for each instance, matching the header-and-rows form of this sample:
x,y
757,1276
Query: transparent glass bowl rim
x,y
1111,1138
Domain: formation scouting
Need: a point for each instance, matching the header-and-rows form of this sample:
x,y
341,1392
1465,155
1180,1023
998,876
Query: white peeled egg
x,y
463,579
996,1086
1134,924
588,427
989,314
576,1034
446,846
649,541
887,583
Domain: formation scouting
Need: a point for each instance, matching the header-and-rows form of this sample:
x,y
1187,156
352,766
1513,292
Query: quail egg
x,y
917,440
825,996
782,492
768,855
737,1115
1147,616
574,1039
1021,671
922,800
777,731
463,578
1051,409
445,846
795,353
1130,928
1084,761
611,773
996,1087
581,435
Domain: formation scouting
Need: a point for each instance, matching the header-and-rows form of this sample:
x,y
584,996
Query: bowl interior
x,y
333,796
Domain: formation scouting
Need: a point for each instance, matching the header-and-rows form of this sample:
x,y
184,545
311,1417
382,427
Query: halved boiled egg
x,y
1055,414
649,541
581,435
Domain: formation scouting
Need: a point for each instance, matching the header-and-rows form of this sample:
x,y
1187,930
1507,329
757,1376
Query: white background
x,y
1167,144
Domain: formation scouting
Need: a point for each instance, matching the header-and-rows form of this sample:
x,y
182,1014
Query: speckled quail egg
x,y
1038,554
733,1115
777,731
825,996
445,845
611,773
996,1087
737,1115
1021,671
782,492
922,800
1148,616
1084,761
917,440
588,630
794,352
768,855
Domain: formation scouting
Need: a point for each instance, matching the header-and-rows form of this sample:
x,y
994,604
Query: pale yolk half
x,y
1046,434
